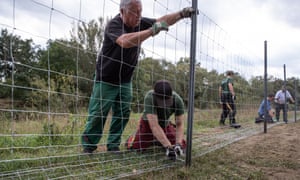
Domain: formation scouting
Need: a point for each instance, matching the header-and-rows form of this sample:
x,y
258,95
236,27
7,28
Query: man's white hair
x,y
124,4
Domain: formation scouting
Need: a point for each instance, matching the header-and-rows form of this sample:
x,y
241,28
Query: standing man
x,y
227,97
116,62
155,127
281,98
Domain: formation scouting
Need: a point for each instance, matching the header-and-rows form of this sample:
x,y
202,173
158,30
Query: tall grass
x,y
55,141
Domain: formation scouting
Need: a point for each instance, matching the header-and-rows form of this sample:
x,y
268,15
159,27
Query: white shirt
x,y
279,97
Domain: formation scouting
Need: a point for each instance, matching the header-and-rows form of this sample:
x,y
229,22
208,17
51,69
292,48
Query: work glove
x,y
291,101
234,98
178,150
221,102
188,12
159,26
170,153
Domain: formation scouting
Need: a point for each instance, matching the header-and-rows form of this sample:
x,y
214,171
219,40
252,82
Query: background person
x,y
155,126
261,110
282,97
116,62
227,97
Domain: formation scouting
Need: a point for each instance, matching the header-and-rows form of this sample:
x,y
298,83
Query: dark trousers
x,y
261,118
106,97
228,108
144,137
279,107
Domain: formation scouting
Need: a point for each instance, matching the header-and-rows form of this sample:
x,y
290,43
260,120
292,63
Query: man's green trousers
x,y
106,97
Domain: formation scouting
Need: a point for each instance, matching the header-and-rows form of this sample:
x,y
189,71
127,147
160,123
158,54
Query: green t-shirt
x,y
163,113
224,85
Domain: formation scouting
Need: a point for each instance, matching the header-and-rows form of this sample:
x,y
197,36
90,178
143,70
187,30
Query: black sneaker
x,y
87,151
235,125
222,123
113,149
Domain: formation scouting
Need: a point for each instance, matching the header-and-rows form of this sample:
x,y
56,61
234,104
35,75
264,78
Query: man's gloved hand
x,y
221,102
178,150
187,12
170,152
234,98
159,26
291,101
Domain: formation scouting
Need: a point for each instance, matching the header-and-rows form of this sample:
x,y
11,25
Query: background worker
x,y
227,97
282,97
261,110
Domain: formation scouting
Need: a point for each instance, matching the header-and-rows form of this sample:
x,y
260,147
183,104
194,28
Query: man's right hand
x,y
188,12
178,150
170,152
221,102
159,26
234,98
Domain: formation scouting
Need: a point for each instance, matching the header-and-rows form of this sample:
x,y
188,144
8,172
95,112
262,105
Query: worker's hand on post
x,y
188,12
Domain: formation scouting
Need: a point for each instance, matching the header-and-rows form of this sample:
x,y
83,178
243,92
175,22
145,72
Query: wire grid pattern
x,y
53,150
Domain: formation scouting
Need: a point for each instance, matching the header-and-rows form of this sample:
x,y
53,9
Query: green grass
x,y
214,165
52,147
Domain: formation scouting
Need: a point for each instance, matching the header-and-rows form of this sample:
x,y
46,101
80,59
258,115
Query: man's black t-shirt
x,y
116,64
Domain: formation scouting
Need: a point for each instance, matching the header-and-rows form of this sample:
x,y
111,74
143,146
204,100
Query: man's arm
x,y
290,97
293,101
157,130
174,17
170,19
271,113
133,39
231,89
136,38
276,98
179,128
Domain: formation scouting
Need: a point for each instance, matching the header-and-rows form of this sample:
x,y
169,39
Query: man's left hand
x,y
159,26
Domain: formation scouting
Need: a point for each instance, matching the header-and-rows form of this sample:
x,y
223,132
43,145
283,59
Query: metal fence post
x,y
191,86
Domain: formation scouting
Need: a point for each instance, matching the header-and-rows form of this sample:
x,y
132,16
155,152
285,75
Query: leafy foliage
x,y
64,72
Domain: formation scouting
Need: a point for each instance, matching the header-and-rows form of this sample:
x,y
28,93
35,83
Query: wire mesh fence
x,y
47,75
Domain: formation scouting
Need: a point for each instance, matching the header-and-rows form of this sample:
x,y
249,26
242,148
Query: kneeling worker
x,y
261,111
155,127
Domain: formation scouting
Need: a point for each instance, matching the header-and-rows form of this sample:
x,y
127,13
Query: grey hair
x,y
125,4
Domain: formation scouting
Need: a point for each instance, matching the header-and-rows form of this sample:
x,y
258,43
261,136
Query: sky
x,y
249,22
254,21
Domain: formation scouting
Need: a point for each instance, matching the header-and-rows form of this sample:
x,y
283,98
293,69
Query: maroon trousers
x,y
144,138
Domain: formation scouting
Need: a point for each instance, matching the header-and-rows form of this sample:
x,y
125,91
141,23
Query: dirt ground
x,y
275,153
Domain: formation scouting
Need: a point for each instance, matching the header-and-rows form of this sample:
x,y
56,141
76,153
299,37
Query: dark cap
x,y
163,93
229,73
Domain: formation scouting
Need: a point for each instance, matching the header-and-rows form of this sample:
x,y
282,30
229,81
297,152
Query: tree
x,y
182,76
144,76
89,37
59,62
17,59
